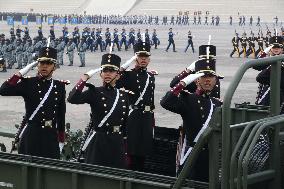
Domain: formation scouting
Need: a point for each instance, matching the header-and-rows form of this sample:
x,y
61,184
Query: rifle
x,y
87,132
17,135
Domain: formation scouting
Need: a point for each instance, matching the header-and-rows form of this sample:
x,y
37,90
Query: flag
x,y
24,20
74,20
50,20
38,20
10,21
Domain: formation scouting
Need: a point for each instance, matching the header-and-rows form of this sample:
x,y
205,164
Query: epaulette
x,y
26,77
127,91
66,82
154,72
91,86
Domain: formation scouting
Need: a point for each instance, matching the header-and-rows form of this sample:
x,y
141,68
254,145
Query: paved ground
x,y
167,64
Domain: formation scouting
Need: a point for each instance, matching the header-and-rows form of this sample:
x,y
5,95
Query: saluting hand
x,y
128,62
192,77
26,69
90,74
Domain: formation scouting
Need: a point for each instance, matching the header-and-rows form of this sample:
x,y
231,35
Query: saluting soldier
x,y
109,106
45,106
196,111
140,122
209,54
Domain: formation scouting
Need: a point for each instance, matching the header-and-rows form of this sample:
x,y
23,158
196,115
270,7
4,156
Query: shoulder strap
x,y
93,132
42,101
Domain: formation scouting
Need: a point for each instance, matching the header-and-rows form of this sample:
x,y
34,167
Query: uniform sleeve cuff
x,y
183,74
177,89
14,79
61,136
80,85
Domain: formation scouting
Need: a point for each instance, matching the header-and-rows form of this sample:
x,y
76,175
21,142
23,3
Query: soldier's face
x,y
276,51
45,68
142,61
109,76
206,83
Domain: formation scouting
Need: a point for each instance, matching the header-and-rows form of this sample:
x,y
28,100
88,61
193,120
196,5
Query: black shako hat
x,y
203,51
110,61
142,48
47,54
207,66
276,41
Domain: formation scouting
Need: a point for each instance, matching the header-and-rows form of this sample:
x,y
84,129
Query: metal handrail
x,y
271,123
248,126
226,113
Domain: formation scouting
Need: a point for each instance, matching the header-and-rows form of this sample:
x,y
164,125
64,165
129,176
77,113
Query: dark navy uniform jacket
x,y
107,146
40,135
141,121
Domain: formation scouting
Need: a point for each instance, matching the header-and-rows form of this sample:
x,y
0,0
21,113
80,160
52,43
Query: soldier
x,y
40,35
147,36
141,117
115,39
123,39
131,40
196,111
82,51
109,107
76,36
8,50
26,33
70,51
139,36
171,40
2,62
60,50
107,38
29,51
263,78
18,32
45,106
99,39
235,42
244,44
52,34
250,20
19,53
209,54
251,49
231,20
189,41
258,21
155,39
260,40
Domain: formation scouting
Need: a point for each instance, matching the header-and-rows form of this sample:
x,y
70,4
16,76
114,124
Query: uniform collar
x,y
108,86
140,69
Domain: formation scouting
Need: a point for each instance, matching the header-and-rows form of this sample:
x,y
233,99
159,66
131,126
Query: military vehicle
x,y
245,150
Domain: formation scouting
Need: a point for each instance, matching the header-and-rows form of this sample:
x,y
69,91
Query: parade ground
x,y
167,64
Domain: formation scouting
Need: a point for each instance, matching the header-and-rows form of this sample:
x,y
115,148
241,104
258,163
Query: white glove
x,y
192,77
266,51
61,145
191,67
92,72
128,62
26,69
